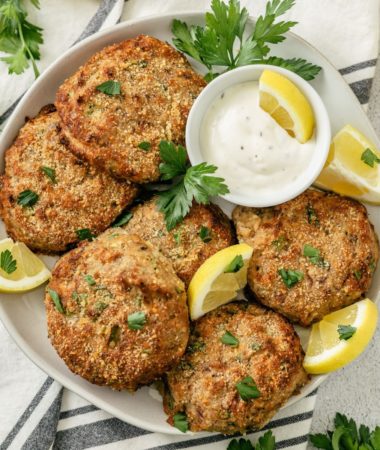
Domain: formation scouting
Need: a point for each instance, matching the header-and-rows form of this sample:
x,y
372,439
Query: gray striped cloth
x,y
35,411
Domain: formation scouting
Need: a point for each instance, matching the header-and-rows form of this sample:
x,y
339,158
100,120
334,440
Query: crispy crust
x,y
343,235
130,276
82,197
203,385
158,87
183,245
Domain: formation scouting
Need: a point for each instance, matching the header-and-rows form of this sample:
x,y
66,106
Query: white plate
x,y
24,315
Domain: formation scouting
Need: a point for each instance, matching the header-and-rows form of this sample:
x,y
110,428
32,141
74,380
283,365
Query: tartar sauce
x,y
252,152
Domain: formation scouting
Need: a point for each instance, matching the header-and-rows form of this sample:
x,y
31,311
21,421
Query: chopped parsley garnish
x,y
27,198
50,173
90,280
180,422
229,339
281,243
290,277
137,320
177,238
7,263
235,265
311,215
189,184
110,87
84,233
100,306
369,157
205,234
372,265
247,389
314,256
265,442
56,300
196,346
123,219
144,145
358,274
114,335
224,40
346,332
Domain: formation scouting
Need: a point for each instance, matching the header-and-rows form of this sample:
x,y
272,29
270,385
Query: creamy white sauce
x,y
252,152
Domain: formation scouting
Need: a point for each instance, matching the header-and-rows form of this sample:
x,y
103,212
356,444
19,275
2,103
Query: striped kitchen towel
x,y
35,411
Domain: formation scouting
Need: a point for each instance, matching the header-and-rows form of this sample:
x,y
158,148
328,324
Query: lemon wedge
x,y
328,348
282,99
21,270
352,168
219,279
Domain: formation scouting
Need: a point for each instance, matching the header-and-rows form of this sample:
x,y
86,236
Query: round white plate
x,y
24,315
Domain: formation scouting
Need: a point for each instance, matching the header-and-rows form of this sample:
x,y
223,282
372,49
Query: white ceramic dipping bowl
x,y
322,133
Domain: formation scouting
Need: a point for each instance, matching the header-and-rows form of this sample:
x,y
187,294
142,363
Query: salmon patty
x,y
311,256
153,89
116,311
203,232
47,194
242,364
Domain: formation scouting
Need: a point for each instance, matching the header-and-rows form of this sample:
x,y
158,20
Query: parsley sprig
x,y
265,442
189,184
7,262
19,38
215,43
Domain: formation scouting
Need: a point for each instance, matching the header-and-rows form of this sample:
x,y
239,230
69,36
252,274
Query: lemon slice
x,y
326,351
346,173
286,104
211,286
29,271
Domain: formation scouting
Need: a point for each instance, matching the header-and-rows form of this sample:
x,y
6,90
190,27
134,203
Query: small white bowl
x,y
322,133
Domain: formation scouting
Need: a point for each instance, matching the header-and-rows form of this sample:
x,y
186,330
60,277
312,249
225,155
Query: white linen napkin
x,y
35,411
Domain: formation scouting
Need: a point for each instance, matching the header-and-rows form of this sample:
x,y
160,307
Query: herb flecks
x,y
7,262
90,280
311,215
369,158
346,332
110,87
290,277
229,339
235,265
247,389
281,243
123,219
115,336
144,145
314,256
56,300
205,234
27,198
84,234
180,422
137,320
358,274
50,173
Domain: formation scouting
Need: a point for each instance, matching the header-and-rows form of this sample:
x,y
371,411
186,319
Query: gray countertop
x,y
355,390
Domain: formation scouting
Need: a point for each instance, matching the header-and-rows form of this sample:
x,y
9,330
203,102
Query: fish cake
x,y
325,239
203,386
72,195
123,319
121,133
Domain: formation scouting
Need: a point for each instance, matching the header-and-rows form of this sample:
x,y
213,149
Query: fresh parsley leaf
x,y
7,263
90,280
84,233
144,145
110,87
235,265
137,320
205,234
266,442
27,198
314,256
180,422
56,300
290,277
346,332
50,173
123,219
364,434
241,444
369,157
321,441
222,41
19,38
174,160
375,438
229,339
247,389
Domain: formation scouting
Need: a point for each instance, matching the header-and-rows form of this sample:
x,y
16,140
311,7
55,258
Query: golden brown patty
x,y
204,384
158,87
183,245
337,227
76,196
101,285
